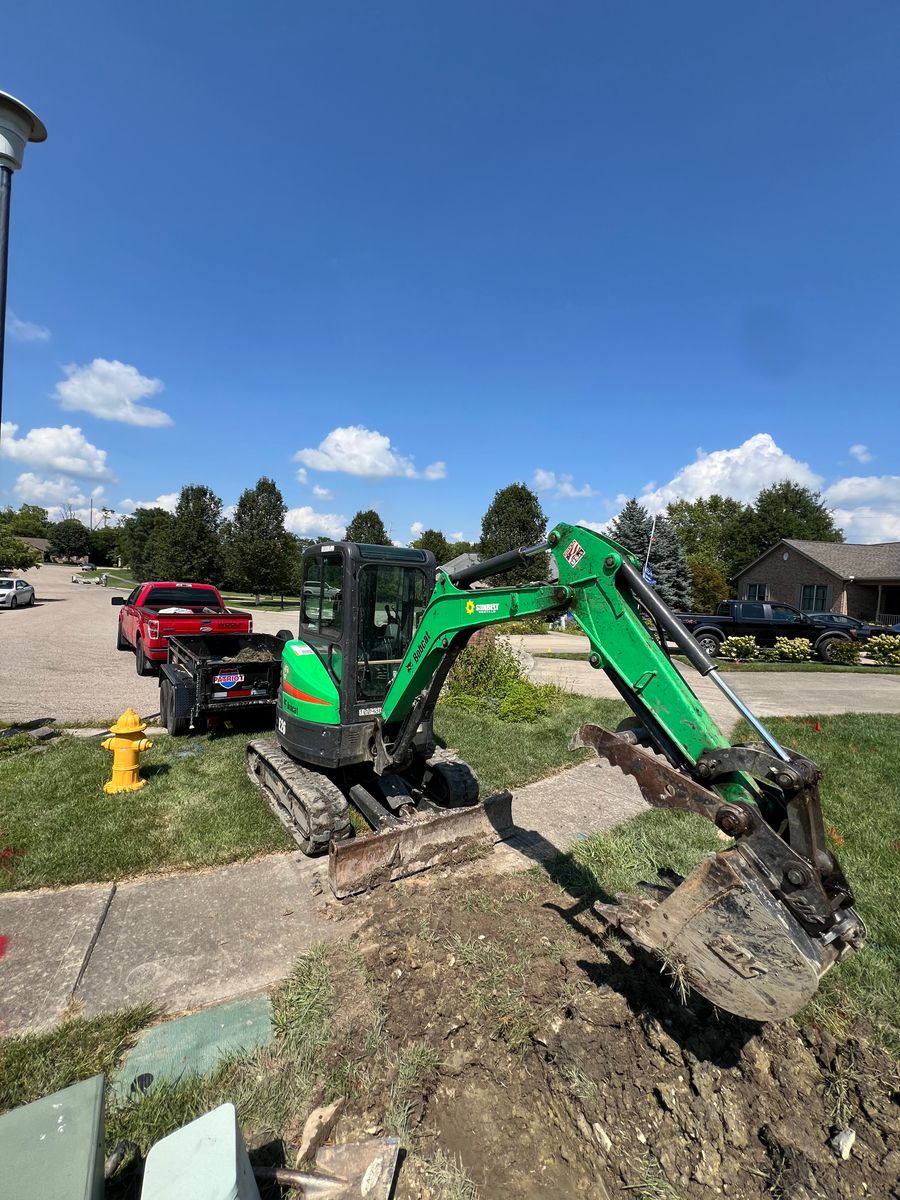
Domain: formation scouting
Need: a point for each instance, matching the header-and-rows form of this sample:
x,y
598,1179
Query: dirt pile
x,y
560,1062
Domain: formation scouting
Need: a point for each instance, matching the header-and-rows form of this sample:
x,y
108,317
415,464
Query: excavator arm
x,y
757,924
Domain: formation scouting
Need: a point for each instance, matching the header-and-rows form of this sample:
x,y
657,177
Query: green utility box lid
x,y
53,1148
206,1160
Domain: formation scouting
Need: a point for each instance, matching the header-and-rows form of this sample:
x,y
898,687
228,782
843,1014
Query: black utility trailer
x,y
217,675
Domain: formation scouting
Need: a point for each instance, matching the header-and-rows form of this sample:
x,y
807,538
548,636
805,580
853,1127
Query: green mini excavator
x,y
753,928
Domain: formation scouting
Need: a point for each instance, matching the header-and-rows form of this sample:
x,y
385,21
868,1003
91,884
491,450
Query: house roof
x,y
843,559
42,544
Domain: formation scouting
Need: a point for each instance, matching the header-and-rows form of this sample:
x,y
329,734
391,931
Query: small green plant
x,y
412,1064
486,669
793,649
768,654
885,649
845,653
742,648
449,1179
526,701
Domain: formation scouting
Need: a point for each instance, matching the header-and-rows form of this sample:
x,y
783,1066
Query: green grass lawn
x,y
199,808
860,758
726,665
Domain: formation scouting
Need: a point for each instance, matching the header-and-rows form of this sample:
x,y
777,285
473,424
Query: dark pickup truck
x,y
766,622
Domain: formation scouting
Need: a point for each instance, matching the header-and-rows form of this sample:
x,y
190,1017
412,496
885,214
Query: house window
x,y
756,591
814,597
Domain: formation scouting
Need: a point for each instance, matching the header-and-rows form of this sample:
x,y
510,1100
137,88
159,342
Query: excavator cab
x,y
359,608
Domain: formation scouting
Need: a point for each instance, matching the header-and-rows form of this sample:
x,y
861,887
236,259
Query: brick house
x,y
861,581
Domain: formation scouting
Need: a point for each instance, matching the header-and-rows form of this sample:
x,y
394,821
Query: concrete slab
x,y
45,937
193,1045
552,814
189,941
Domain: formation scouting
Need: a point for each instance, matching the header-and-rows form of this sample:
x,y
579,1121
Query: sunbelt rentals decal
x,y
483,609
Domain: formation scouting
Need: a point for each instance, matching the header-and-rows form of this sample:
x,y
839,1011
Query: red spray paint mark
x,y
3,943
818,728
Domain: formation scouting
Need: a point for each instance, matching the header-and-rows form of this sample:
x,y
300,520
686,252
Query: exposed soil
x,y
568,1065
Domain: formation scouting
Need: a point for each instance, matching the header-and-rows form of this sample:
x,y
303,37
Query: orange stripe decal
x,y
298,695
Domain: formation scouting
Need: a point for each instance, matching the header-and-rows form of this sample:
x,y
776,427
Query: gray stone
x,y
842,1143
318,1127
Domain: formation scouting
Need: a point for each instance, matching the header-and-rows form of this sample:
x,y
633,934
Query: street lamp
x,y
18,127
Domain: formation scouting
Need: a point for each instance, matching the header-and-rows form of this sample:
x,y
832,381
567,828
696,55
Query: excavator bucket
x,y
723,932
754,927
427,839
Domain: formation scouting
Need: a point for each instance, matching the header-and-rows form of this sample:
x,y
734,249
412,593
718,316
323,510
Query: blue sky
x,y
431,249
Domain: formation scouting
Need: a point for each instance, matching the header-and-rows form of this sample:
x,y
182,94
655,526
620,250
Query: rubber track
x,y
461,779
323,802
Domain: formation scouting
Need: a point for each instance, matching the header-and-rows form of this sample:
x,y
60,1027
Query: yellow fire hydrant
x,y
126,746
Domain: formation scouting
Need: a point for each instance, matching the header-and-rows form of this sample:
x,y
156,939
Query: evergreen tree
x,y
514,519
258,551
667,561
367,527
194,552
70,539
135,546
434,540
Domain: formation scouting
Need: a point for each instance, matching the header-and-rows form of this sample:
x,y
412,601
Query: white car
x,y
15,592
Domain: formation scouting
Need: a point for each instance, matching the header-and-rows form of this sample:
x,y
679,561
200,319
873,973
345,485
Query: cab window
x,y
321,595
780,613
391,603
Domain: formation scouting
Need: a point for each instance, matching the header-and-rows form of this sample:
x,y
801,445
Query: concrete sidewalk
x,y
191,940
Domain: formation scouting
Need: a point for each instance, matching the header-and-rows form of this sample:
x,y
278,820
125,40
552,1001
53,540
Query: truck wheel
x,y
176,726
142,664
823,648
709,641
121,644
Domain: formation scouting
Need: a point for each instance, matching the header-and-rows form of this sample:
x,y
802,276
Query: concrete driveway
x,y
779,694
59,658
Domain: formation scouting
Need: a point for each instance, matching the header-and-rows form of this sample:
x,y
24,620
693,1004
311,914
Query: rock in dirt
x,y
842,1143
317,1129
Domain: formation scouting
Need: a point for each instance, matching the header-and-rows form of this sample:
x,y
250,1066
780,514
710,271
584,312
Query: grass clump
x,y
36,1064
448,1177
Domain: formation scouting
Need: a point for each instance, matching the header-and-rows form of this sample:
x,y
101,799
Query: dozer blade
x,y
726,935
428,840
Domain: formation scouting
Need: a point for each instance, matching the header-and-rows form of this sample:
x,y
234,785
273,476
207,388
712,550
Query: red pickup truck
x,y
155,611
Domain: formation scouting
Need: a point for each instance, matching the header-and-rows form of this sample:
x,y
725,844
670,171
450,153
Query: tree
x,y
134,539
30,521
514,519
716,529
70,539
787,510
104,546
16,555
258,551
434,540
667,561
709,584
194,552
367,527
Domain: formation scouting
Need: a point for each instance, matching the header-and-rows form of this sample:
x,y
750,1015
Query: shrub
x,y
885,649
486,669
793,649
526,625
743,648
844,652
768,654
526,701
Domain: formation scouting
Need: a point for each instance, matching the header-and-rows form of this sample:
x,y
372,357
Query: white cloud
x,y
61,449
308,523
356,450
59,496
167,500
563,485
26,331
455,537
321,493
110,389
597,526
302,475
417,529
861,453
867,507
740,472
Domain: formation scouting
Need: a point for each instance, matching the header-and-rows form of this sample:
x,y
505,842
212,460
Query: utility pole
x,y
18,127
